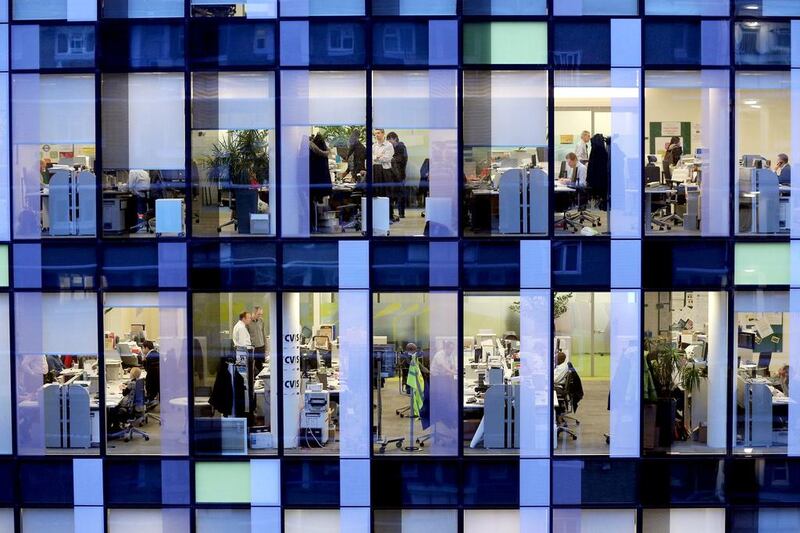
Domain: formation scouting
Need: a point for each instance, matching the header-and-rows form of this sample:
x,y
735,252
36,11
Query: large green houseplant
x,y
241,157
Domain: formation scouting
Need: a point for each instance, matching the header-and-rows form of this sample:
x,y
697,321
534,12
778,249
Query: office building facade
x,y
374,265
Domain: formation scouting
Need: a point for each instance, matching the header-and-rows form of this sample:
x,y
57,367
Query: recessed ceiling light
x,y
750,102
751,7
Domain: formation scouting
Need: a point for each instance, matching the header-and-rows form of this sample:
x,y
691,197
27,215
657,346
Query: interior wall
x,y
576,322
402,317
767,129
119,320
490,312
673,105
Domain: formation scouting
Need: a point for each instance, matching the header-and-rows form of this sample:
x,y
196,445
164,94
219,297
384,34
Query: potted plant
x,y
663,358
242,158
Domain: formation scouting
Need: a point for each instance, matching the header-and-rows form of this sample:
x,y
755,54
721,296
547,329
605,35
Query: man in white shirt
x,y
576,171
561,370
582,148
139,186
240,335
383,178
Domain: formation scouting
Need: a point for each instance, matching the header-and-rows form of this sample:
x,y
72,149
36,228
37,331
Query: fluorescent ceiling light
x,y
596,92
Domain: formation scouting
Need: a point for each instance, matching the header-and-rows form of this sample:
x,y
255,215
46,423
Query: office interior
x,y
59,190
239,422
233,172
491,358
763,131
761,372
582,104
337,179
581,382
133,425
685,357
505,190
143,202
686,167
408,197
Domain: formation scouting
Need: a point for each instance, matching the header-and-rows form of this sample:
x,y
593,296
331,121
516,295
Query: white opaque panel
x,y
87,482
626,373
707,8
495,520
295,43
265,480
595,7
156,121
47,520
535,364
311,521
174,355
519,108
53,108
130,299
780,8
246,100
439,520
354,375
148,520
681,520
534,256
72,10
294,180
443,382
534,482
314,8
227,520
626,39
426,7
7,520
415,99
5,380
534,519
265,520
354,482
594,521
625,157
68,321
355,519
322,98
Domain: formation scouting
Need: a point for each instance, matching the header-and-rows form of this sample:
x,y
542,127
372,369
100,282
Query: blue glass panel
x,y
7,482
675,264
130,265
400,265
311,265
672,43
581,263
233,265
133,482
682,481
336,43
763,43
764,481
217,43
69,266
490,483
126,45
582,43
411,482
491,264
400,43
310,482
52,47
594,481
46,482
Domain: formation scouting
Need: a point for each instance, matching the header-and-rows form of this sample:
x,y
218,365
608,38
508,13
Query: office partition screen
x,y
391,265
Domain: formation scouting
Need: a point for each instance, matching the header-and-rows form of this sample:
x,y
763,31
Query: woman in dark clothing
x,y
597,173
319,176
673,154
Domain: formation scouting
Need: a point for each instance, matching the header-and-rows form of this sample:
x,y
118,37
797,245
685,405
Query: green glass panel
x,y
505,43
762,264
222,482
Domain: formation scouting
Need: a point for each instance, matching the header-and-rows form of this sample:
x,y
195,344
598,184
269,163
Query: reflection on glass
x,y
684,374
763,43
235,402
582,371
311,402
415,369
761,377
491,355
253,9
763,146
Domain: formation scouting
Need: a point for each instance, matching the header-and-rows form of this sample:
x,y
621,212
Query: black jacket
x,y
222,395
597,173
399,162
574,387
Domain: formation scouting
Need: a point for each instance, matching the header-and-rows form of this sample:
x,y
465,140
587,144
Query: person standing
x,y
399,163
319,174
382,176
356,156
139,187
240,336
582,148
152,365
672,154
257,338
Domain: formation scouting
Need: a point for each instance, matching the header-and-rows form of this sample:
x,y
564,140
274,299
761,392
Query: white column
x,y
717,368
290,359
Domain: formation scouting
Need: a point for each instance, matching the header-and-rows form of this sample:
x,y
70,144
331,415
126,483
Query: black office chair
x,y
562,204
566,406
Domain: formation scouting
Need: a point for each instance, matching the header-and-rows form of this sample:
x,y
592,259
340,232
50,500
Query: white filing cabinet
x,y
169,216
380,215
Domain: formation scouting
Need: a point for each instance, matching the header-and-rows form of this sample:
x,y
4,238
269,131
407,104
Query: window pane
x,y
5,378
53,113
676,520
214,43
501,43
319,8
252,9
597,7
52,47
142,8
233,153
707,8
54,10
593,48
442,520
311,521
762,263
505,7
140,520
763,43
767,8
763,140
687,43
43,520
594,520
413,7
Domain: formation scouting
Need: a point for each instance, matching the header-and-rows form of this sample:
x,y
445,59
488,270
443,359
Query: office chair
x,y
658,204
563,201
565,406
137,416
582,215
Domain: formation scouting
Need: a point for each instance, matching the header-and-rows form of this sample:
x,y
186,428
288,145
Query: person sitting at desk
x,y
576,172
561,370
783,170
119,414
783,380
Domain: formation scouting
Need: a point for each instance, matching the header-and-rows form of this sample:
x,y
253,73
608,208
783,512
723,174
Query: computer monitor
x,y
749,160
541,154
652,174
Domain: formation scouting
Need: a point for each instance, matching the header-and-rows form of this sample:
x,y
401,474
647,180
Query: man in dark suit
x,y
399,163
